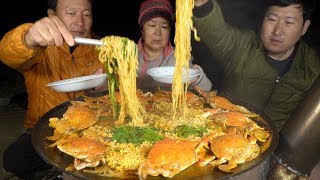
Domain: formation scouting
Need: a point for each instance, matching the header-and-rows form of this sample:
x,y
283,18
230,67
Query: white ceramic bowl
x,y
165,74
78,83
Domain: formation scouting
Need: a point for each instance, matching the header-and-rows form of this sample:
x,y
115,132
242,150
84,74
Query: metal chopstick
x,y
88,41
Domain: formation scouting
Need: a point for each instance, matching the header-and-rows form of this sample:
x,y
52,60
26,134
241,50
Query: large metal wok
x,y
60,160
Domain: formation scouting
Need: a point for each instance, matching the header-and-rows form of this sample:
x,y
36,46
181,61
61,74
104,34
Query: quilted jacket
x,y
41,66
248,77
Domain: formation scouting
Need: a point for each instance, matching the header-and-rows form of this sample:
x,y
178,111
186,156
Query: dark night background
x,y
116,18
121,18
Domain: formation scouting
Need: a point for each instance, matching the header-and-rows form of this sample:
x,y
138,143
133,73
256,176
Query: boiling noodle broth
x,y
131,133
161,146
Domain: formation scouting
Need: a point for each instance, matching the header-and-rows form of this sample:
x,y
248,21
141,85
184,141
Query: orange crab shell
x,y
216,101
75,118
83,148
233,118
169,151
80,117
168,157
227,151
228,145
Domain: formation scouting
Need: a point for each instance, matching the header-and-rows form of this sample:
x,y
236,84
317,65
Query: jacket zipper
x,y
277,80
72,58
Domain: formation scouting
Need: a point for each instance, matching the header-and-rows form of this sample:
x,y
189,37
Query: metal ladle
x,y
88,41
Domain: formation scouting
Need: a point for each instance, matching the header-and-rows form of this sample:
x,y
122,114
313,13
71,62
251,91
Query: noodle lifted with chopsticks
x,y
184,25
120,56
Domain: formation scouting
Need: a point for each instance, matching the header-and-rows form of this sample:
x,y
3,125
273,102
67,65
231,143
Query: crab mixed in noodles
x,y
213,132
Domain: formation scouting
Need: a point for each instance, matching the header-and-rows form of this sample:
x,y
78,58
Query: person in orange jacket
x,y
45,52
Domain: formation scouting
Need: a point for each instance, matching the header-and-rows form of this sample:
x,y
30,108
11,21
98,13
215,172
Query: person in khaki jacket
x,y
272,70
45,52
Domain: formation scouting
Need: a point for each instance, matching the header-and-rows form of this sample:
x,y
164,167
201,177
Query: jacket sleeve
x,y
13,49
203,81
224,41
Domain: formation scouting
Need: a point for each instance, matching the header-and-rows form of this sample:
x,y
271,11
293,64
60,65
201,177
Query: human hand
x,y
102,87
48,31
196,67
199,2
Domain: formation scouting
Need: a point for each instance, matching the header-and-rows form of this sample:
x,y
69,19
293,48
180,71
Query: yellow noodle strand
x,y
121,56
182,40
